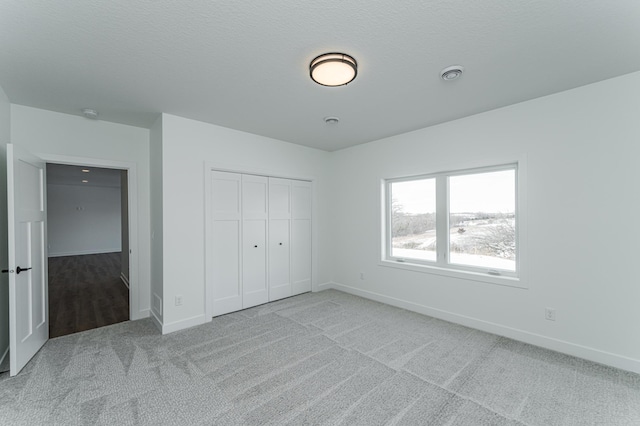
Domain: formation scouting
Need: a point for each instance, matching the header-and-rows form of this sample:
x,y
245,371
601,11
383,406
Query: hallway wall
x,y
83,220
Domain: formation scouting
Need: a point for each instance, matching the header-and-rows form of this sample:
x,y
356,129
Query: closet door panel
x,y
226,195
301,200
301,256
254,279
279,198
224,245
254,197
279,238
301,207
279,259
254,248
226,260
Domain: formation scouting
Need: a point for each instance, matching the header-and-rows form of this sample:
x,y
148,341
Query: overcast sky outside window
x,y
416,196
492,192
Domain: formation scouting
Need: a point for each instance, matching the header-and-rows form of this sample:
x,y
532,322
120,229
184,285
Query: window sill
x,y
464,275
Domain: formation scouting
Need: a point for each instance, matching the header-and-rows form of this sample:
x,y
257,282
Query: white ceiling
x,y
60,174
244,64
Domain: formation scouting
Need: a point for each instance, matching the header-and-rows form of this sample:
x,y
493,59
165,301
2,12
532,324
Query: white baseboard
x,y
124,279
182,324
82,252
591,354
323,286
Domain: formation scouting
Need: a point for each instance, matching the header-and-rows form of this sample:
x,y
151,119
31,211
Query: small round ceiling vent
x,y
331,120
452,72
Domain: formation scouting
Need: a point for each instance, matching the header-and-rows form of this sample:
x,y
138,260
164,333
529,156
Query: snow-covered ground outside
x,y
463,238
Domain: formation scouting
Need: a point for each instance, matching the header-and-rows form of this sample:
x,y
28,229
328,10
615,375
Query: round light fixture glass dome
x,y
333,69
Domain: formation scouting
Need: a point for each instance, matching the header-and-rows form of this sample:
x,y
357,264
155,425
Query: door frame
x,y
132,181
210,166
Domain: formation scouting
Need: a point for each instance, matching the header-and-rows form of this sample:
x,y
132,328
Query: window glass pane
x,y
482,220
413,219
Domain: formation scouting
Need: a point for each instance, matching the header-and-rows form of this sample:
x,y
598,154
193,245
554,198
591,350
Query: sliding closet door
x,y
300,236
254,240
225,255
279,241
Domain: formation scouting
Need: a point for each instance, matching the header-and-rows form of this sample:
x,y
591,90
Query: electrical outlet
x,y
550,314
178,300
362,275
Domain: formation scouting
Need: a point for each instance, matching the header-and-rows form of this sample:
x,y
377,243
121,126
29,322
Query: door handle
x,y
19,269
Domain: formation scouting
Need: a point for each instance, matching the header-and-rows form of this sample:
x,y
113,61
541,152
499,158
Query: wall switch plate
x,y
178,300
362,275
550,314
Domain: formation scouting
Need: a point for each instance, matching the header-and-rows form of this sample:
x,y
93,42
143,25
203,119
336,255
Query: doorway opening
x,y
88,247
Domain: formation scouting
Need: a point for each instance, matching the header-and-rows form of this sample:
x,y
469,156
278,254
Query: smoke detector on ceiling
x,y
331,120
452,72
90,113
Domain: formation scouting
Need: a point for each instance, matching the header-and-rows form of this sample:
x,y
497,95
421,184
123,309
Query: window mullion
x,y
442,220
388,215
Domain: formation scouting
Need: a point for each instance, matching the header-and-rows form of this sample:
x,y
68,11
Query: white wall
x,y
582,149
51,133
5,137
157,283
187,145
83,220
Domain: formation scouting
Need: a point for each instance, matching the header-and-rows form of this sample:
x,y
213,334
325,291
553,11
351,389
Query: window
x,y
413,219
464,220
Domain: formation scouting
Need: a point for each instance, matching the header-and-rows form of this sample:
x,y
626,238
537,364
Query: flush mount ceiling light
x,y
90,113
452,72
333,69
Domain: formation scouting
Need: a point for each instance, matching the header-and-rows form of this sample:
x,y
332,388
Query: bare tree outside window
x,y
483,205
413,219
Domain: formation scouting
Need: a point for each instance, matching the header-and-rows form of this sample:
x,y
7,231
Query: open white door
x,y
28,298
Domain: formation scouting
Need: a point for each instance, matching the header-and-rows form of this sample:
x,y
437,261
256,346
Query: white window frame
x,y
442,266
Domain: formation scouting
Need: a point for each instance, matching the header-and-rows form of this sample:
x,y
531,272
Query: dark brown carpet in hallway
x,y
85,292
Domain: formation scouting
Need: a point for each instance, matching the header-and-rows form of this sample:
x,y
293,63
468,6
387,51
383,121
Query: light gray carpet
x,y
323,358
